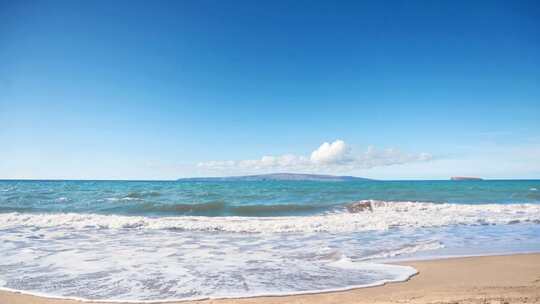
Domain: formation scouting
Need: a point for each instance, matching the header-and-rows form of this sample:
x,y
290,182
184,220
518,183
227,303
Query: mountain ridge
x,y
279,177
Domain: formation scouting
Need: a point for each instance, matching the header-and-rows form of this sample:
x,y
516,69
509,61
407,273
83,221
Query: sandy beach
x,y
489,279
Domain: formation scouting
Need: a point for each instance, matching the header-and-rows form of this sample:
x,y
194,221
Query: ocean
x,y
173,240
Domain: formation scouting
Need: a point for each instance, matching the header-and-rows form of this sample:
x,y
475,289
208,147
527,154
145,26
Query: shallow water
x,y
179,240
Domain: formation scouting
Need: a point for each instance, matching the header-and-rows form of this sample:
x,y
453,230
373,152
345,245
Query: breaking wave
x,y
384,215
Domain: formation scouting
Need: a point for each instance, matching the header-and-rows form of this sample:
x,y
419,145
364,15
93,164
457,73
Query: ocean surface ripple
x,y
155,241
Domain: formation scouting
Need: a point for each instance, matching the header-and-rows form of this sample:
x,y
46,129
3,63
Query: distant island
x,y
465,178
278,177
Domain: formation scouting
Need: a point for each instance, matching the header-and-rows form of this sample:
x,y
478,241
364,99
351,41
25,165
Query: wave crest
x,y
385,215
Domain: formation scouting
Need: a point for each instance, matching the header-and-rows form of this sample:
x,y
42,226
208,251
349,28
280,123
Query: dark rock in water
x,y
360,206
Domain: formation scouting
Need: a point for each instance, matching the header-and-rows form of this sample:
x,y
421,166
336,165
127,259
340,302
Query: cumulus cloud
x,y
331,153
334,156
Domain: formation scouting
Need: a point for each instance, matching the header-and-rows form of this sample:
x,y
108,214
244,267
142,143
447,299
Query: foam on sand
x,y
138,258
157,265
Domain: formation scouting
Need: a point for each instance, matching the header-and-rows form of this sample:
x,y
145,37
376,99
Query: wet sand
x,y
491,279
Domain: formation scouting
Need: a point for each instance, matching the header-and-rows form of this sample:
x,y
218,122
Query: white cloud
x,y
331,153
335,156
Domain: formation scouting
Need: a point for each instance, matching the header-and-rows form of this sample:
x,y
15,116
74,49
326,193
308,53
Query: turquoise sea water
x,y
131,240
267,198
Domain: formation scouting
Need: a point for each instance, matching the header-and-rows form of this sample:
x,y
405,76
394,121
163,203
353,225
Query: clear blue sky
x,y
163,89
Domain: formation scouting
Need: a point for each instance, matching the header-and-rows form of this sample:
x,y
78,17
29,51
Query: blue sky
x,y
166,89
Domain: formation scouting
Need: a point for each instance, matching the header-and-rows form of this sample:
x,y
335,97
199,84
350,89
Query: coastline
x,y
481,279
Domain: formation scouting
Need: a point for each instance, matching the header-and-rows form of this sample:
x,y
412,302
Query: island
x,y
465,178
278,177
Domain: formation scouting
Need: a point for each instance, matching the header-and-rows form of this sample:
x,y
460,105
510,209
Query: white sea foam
x,y
123,258
401,273
404,250
385,215
157,265
388,273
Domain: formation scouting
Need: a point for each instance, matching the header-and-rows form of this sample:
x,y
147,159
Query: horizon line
x,y
180,179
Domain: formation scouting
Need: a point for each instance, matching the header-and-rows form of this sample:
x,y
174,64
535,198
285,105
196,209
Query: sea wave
x,y
403,250
384,215
214,208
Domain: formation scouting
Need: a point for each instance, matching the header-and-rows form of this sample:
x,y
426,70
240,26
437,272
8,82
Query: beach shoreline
x,y
480,279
